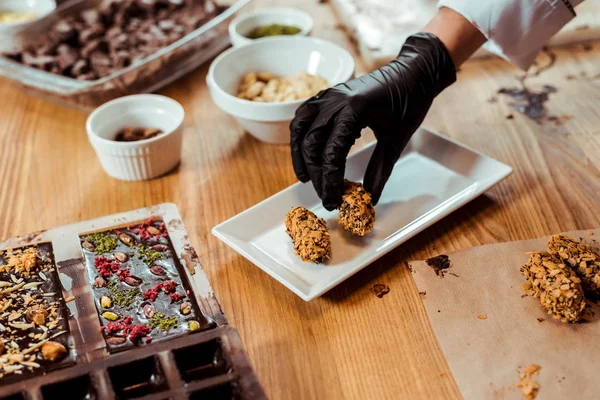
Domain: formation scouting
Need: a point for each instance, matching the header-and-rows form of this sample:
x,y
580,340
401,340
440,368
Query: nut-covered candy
x,y
37,314
310,235
582,258
557,286
357,214
53,351
105,302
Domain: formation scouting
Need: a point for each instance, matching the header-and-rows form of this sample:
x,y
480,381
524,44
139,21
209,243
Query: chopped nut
x,y
529,388
111,316
266,87
105,302
310,235
185,308
149,311
194,325
582,258
482,316
153,231
100,282
37,314
52,351
357,214
123,237
115,340
158,270
122,257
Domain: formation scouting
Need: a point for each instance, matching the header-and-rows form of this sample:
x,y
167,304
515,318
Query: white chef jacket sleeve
x,y
516,29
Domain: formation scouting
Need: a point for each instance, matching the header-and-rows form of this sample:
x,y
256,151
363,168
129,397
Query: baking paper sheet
x,y
484,354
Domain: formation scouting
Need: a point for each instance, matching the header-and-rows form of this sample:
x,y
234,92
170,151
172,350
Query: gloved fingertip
x,y
329,206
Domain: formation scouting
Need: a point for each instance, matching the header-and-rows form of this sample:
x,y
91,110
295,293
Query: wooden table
x,y
349,344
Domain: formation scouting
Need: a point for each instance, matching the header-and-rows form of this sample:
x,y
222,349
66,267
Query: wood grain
x,y
349,344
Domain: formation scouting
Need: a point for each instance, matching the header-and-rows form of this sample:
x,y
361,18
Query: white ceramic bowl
x,y
10,30
283,56
144,159
243,24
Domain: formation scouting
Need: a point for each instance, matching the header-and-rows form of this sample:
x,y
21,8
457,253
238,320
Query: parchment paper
x,y
484,354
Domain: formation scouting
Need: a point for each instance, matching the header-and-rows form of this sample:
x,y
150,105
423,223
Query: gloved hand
x,y
392,101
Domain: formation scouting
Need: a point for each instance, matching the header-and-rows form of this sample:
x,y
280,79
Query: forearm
x,y
460,37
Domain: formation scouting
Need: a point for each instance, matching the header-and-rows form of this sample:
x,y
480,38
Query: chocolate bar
x,y
34,328
209,365
140,292
144,251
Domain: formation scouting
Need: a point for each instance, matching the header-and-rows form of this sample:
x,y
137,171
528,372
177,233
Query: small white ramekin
x,y
143,159
243,24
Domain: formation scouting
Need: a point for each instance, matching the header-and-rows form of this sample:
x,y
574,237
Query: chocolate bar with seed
x,y
34,321
209,365
140,289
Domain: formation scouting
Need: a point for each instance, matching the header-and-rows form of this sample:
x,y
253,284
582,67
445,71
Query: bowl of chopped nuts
x,y
263,83
137,137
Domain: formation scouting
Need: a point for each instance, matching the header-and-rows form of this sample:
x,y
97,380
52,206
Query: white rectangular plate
x,y
434,177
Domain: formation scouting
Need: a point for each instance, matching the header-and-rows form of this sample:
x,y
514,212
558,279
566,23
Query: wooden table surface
x,y
349,344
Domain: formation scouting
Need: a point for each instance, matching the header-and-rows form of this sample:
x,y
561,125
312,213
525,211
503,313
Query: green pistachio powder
x,y
124,298
148,255
273,30
163,322
102,242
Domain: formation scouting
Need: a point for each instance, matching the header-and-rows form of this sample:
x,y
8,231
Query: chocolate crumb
x,y
509,116
570,77
380,289
587,47
439,264
482,316
540,319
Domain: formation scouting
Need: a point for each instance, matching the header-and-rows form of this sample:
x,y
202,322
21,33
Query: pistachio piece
x,y
153,231
37,313
194,325
99,282
159,247
105,302
111,316
115,340
158,270
133,281
125,238
185,308
52,351
88,246
122,257
149,311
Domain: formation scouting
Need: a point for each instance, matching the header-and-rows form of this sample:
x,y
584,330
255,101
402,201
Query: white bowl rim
x,y
210,80
126,99
305,30
51,8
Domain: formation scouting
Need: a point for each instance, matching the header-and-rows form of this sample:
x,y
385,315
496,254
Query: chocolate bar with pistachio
x,y
141,292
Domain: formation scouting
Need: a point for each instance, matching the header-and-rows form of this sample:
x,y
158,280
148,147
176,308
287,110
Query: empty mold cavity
x,y
226,391
16,396
79,388
137,378
200,361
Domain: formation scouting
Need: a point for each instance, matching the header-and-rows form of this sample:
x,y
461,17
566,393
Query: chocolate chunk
x,y
66,56
40,61
91,17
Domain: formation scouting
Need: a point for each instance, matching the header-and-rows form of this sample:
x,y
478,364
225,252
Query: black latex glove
x,y
392,101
